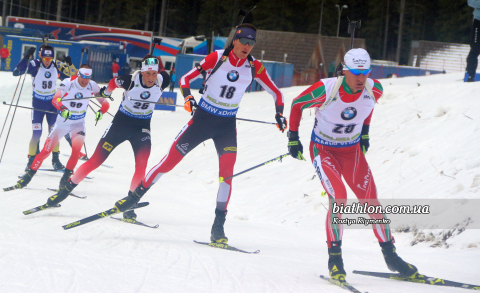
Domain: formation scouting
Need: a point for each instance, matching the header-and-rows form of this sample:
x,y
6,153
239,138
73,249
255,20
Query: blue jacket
x,y
475,4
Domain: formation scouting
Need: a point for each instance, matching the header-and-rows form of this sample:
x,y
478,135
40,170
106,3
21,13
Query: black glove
x,y
295,148
68,60
29,53
365,139
281,122
103,94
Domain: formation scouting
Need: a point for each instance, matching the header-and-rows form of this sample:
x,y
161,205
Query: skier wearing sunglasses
x,y
229,73
131,123
339,140
44,71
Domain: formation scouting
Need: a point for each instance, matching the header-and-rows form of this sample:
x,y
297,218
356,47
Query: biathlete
x,y
131,122
44,72
69,101
232,71
338,143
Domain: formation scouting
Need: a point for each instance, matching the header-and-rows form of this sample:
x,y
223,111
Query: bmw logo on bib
x,y
349,113
48,74
233,75
78,95
145,95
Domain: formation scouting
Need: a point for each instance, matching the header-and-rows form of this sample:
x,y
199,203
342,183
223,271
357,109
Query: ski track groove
x,y
207,270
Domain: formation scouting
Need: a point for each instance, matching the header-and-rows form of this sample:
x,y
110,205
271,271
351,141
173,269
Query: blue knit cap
x,y
48,52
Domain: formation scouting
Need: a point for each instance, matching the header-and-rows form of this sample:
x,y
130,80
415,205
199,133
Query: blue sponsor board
x,y
167,98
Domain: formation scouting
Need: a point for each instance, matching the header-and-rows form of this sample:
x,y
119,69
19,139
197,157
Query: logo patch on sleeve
x,y
232,149
107,146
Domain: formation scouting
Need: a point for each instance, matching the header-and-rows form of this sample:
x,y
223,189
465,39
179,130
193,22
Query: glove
x,y
281,122
190,104
68,60
103,94
98,116
65,112
295,148
365,139
30,52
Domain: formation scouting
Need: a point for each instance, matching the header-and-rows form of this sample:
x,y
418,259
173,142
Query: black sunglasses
x,y
246,41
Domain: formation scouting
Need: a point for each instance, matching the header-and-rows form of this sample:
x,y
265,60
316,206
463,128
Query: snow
x,y
424,142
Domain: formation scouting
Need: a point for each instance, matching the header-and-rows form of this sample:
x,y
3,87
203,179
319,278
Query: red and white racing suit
x,y
335,148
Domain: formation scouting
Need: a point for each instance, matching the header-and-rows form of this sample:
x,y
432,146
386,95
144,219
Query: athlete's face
x,y
355,82
83,81
149,77
240,50
47,61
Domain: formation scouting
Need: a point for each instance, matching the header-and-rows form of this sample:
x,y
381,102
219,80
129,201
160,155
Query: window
x,y
25,48
61,53
168,65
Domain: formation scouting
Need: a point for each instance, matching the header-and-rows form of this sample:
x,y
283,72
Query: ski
x,y
16,186
135,222
225,246
101,215
55,170
71,194
86,159
340,284
420,279
40,208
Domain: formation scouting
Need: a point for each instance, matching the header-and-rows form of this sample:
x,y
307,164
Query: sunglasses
x,y
246,41
47,58
359,71
151,61
85,76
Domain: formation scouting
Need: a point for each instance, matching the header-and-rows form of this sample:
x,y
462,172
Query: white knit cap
x,y
357,59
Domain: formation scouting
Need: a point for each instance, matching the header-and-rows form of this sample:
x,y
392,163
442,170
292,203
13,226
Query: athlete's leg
x,y
37,119
77,134
59,130
51,119
141,145
226,146
359,178
112,137
329,172
192,134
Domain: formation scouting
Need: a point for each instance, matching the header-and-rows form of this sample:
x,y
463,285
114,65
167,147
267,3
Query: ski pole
x,y
13,100
86,98
13,116
279,158
30,108
101,107
256,121
158,103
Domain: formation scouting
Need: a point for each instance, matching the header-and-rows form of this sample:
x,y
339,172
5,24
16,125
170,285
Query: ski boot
x,y
66,175
26,178
62,194
335,261
129,216
30,162
57,165
82,156
218,234
132,199
471,78
395,263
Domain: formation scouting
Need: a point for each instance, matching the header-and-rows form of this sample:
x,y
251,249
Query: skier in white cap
x,y
339,140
